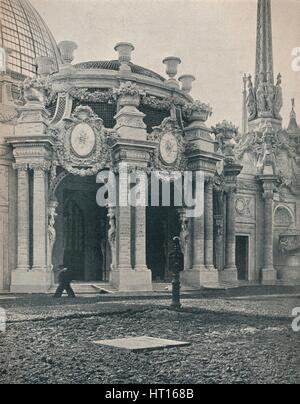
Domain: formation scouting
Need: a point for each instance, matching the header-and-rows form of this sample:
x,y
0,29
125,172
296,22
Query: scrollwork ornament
x,y
100,155
169,127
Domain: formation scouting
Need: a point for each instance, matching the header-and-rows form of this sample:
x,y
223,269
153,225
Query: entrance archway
x,y
162,226
82,228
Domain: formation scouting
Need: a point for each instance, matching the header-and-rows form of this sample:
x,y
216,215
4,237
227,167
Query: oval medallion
x,y
83,140
169,149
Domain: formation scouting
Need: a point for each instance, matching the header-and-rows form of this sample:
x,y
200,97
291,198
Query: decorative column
x,y
225,134
23,232
269,274
185,238
202,272
23,217
40,215
209,224
140,239
131,242
231,172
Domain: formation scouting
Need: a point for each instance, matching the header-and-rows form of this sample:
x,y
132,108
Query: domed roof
x,y
25,34
115,65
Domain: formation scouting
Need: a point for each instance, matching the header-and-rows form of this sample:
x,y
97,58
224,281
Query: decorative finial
x,y
293,104
245,81
67,49
172,63
44,66
124,50
187,82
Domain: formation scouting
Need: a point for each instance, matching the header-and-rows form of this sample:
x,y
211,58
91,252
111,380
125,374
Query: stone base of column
x,y
269,276
229,275
199,276
30,281
131,281
141,268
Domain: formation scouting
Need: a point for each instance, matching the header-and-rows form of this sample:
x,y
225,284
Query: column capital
x,y
20,166
209,180
232,170
42,166
269,184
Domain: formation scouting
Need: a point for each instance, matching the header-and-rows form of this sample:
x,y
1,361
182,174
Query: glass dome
x,y
24,33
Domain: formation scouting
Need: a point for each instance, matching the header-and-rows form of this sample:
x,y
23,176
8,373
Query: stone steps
x,y
87,288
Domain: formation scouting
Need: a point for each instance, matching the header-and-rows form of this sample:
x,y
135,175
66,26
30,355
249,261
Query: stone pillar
x,y
269,274
198,244
23,218
209,225
230,258
140,239
203,272
131,245
230,273
39,279
19,275
40,228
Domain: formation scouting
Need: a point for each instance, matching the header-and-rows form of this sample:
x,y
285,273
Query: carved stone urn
x,y
128,95
124,50
225,135
67,49
197,111
44,65
187,82
172,64
289,246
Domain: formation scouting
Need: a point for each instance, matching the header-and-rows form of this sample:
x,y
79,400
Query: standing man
x,y
64,280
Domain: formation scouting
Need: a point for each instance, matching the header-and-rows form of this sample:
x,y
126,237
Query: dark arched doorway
x,y
82,229
163,224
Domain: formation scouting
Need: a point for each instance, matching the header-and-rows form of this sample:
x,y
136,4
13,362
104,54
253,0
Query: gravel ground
x,y
233,340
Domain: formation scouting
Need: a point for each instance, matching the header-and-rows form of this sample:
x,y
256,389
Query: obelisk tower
x,y
264,101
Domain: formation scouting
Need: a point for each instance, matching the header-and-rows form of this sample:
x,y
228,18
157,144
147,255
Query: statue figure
x,y
278,103
184,234
270,95
51,227
51,223
261,97
112,235
266,155
251,100
219,193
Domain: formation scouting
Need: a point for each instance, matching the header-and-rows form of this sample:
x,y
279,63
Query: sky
x,y
214,38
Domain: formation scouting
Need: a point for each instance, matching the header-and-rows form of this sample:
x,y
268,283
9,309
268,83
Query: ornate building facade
x,y
62,124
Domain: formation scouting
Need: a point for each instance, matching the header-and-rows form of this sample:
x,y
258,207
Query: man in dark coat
x,y
64,280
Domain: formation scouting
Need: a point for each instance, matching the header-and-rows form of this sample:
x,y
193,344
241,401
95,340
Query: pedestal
x,y
31,281
125,280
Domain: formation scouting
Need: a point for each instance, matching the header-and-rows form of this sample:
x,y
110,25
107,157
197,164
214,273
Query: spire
x,y
293,125
265,99
264,44
245,115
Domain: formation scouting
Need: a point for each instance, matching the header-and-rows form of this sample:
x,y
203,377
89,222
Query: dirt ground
x,y
233,340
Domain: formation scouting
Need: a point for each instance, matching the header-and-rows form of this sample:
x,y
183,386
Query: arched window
x,y
283,217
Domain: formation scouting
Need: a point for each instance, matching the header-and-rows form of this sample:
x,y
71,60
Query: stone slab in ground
x,y
136,344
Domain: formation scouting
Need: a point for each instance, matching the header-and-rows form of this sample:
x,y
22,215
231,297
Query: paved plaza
x,y
233,339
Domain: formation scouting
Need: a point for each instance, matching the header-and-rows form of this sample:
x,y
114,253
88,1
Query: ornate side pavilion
x,y
72,122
